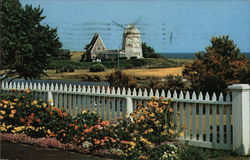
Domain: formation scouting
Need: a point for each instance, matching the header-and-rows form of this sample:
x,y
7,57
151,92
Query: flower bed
x,y
139,136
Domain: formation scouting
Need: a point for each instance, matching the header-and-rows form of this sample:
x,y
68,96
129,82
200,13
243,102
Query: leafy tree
x,y
220,65
148,52
26,44
173,82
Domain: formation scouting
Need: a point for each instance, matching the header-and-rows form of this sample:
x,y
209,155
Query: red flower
x,y
22,120
38,120
105,123
76,127
50,113
97,142
85,126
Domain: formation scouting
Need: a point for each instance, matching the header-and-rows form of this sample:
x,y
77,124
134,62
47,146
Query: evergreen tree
x,y
26,44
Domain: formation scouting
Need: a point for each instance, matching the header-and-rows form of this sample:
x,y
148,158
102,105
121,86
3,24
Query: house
x,y
96,45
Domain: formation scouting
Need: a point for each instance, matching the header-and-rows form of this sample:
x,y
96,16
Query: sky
x,y
190,23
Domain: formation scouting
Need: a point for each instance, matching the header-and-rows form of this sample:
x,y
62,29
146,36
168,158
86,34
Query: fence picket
x,y
221,124
188,108
228,123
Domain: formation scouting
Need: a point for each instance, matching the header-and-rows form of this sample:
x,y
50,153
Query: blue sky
x,y
192,23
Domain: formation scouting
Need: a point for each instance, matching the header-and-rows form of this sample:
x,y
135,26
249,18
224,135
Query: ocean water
x,y
168,26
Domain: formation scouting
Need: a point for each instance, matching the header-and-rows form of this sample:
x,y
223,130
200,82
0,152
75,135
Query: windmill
x,y
131,41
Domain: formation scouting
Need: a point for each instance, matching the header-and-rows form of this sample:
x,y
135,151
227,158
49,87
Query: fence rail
x,y
205,120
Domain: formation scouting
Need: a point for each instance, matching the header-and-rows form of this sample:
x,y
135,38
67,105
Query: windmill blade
x,y
118,25
135,23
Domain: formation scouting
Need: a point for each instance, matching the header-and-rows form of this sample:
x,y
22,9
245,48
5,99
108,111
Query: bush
x,y
192,153
120,79
96,68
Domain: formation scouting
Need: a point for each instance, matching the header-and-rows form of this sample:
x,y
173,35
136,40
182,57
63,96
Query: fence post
x,y
241,118
129,106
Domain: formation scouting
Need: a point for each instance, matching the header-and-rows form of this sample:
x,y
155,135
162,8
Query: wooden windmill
x,y
131,41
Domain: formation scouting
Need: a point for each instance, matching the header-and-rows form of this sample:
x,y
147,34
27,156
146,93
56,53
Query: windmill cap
x,y
131,28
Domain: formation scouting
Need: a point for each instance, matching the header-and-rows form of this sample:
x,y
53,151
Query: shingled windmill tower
x,y
131,41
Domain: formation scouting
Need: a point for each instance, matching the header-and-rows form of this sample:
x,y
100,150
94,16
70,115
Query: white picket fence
x,y
207,121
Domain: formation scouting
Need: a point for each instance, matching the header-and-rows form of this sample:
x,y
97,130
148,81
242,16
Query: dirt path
x,y
27,152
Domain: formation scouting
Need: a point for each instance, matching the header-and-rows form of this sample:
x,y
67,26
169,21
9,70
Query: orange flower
x,y
13,111
50,113
65,114
64,134
27,91
85,126
11,115
170,109
124,142
1,117
82,138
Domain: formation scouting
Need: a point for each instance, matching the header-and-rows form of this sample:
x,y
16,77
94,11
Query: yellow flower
x,y
44,105
11,115
132,144
15,100
5,106
157,122
1,117
2,112
171,131
34,102
163,133
152,115
84,111
1,104
11,107
51,101
181,134
150,130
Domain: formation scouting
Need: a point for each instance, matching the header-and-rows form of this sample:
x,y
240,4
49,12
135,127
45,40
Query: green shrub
x,y
164,152
193,153
96,68
120,79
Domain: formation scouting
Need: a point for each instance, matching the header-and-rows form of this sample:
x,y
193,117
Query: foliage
x,y
148,52
217,67
245,75
193,153
133,137
173,82
118,78
164,152
26,44
96,68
